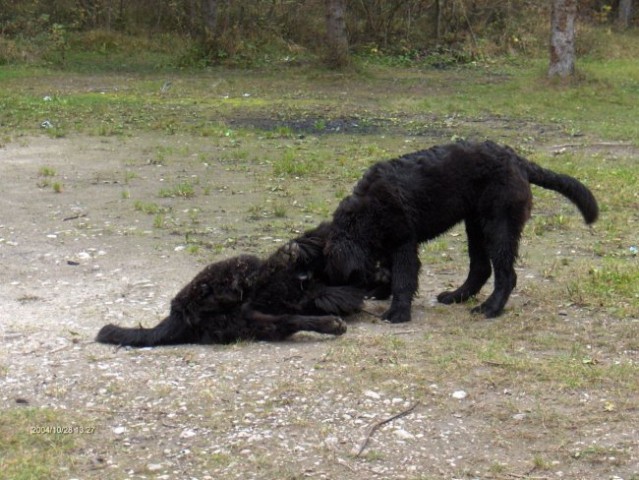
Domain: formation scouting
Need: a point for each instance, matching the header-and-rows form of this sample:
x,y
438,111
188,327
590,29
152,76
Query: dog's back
x,y
206,310
424,193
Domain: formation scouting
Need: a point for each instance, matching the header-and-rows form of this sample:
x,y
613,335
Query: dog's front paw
x,y
397,315
447,298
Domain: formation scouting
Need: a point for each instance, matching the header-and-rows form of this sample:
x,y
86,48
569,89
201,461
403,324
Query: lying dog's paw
x,y
291,250
338,326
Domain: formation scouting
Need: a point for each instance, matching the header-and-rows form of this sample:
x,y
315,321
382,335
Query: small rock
x,y
460,394
403,434
371,394
187,433
331,442
119,430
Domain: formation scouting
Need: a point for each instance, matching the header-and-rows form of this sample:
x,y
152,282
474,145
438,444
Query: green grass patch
x,y
612,286
34,444
150,208
46,172
182,189
296,163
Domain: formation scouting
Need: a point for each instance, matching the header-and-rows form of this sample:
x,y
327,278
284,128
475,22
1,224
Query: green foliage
x,y
178,34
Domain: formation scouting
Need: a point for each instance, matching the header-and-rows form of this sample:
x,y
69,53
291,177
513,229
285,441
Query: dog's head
x,y
346,259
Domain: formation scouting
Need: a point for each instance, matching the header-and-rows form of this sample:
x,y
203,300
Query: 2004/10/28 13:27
x,y
61,430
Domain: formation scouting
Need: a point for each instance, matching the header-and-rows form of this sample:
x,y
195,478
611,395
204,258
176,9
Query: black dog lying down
x,y
248,298
414,198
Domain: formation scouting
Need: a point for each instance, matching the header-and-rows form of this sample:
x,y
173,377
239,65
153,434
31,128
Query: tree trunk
x,y
438,20
625,14
336,40
209,10
562,38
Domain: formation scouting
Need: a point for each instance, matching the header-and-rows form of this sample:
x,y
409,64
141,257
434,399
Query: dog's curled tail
x,y
170,331
568,186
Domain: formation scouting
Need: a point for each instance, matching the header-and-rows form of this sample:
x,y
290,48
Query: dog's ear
x,y
346,261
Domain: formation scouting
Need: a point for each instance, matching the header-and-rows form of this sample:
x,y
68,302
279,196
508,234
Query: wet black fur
x,y
245,297
402,202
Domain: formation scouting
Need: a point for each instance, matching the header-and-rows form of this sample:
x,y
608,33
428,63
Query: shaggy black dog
x,y
248,298
414,198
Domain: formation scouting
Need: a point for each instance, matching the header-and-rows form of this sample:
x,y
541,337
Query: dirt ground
x,y
79,258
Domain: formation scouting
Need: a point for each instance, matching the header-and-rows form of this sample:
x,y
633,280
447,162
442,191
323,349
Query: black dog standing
x,y
416,197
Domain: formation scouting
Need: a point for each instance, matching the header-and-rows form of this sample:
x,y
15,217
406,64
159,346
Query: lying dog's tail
x,y
172,330
568,186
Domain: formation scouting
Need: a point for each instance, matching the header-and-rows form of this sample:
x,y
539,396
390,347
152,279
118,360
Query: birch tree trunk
x,y
562,38
336,40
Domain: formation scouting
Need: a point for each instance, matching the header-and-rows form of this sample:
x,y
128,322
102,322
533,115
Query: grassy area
x,y
470,99
37,443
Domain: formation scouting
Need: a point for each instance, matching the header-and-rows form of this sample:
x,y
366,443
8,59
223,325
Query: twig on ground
x,y
168,425
404,332
376,425
121,411
74,217
59,349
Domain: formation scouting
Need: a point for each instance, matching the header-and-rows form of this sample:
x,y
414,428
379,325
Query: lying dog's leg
x,y
341,300
503,245
404,282
480,269
266,326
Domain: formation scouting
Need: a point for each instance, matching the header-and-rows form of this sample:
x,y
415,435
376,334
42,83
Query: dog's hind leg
x,y
502,241
480,269
404,282
266,326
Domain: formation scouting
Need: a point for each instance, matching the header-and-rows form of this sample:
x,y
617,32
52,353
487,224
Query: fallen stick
x,y
376,425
